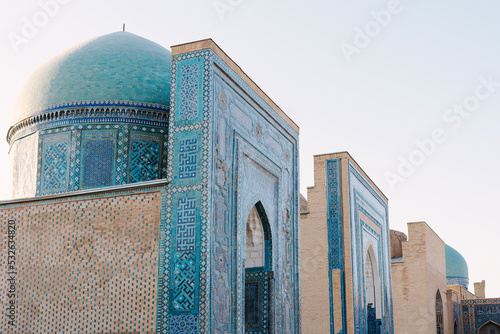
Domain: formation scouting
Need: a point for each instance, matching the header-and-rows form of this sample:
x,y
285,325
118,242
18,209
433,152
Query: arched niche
x,y
372,282
258,272
489,327
439,313
258,247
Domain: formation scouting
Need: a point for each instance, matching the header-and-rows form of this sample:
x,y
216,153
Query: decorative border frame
x,y
370,236
244,203
364,198
165,313
80,114
335,234
238,111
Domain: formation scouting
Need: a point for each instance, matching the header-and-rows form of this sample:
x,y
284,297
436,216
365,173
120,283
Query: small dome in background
x,y
120,67
396,243
303,203
457,271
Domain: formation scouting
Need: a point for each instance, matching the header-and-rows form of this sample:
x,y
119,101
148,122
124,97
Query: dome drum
x,y
93,116
98,113
83,156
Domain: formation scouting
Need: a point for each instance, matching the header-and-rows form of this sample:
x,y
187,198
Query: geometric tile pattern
x,y
371,319
252,302
186,223
192,126
477,312
55,163
187,158
184,272
144,161
85,264
334,221
98,160
188,108
184,287
189,92
257,301
183,324
466,320
124,137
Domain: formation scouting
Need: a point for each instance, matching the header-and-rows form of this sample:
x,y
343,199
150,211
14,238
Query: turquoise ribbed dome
x,y
116,67
457,271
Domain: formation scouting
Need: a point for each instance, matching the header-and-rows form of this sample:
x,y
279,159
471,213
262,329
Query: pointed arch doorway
x,y
439,313
489,328
372,292
258,272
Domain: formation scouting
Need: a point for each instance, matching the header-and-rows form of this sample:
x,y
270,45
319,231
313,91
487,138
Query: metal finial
x,y
124,27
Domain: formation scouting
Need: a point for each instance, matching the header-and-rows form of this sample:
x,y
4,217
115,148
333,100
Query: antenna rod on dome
x,y
124,27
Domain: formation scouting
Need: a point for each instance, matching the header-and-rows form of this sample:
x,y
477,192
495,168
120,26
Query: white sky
x,y
395,90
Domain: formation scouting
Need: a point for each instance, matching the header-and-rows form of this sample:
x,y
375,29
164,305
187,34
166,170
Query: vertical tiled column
x,y
335,245
183,302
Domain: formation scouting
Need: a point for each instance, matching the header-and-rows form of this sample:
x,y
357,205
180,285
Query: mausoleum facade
x,y
154,191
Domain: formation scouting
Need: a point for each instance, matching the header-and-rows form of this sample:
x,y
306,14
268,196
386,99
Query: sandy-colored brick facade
x,y
418,277
344,231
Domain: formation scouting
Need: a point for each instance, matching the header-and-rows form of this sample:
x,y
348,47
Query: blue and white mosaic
x,y
479,312
145,157
55,163
187,157
189,90
100,155
183,324
98,159
215,126
335,243
189,173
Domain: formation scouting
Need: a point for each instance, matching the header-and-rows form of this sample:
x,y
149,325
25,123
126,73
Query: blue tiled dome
x,y
119,67
457,271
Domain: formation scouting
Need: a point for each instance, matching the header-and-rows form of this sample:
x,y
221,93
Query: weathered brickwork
x,y
82,264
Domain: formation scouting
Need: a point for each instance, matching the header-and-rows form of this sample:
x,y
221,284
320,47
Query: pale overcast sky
x,y
411,89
